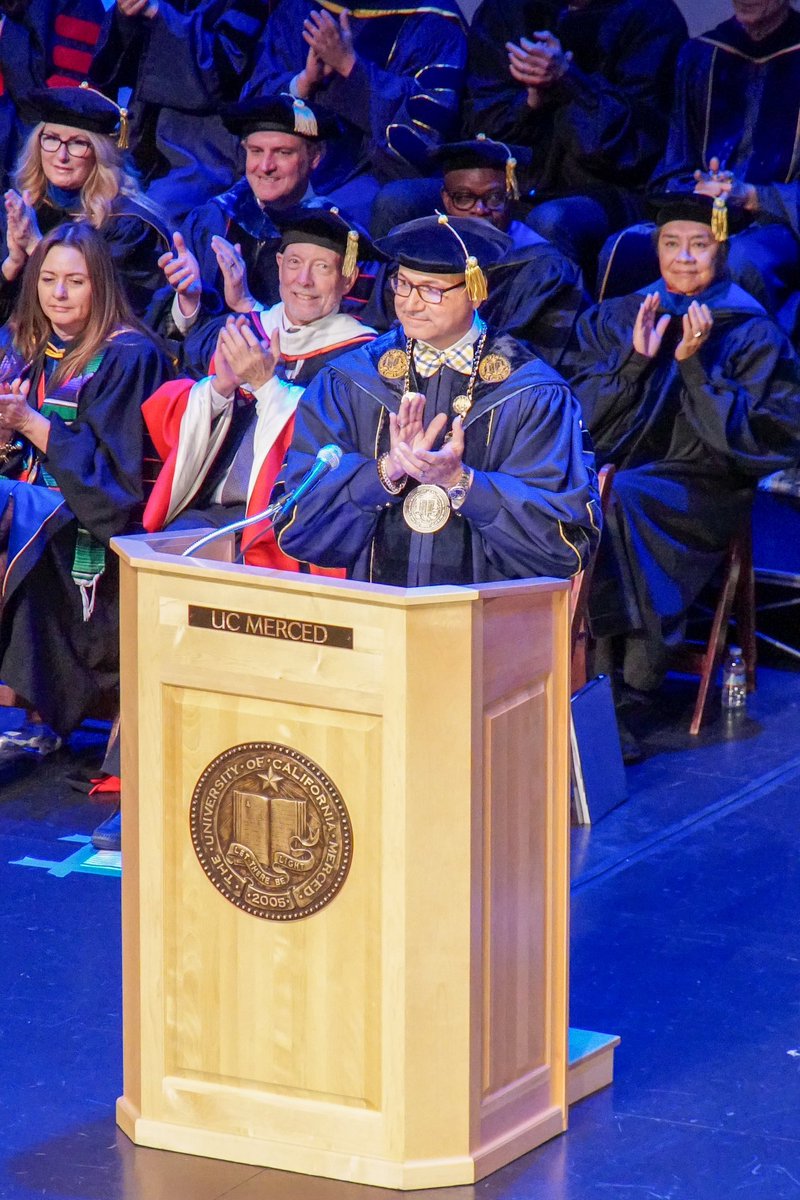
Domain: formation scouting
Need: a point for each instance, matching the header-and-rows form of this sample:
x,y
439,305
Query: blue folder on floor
x,y
598,773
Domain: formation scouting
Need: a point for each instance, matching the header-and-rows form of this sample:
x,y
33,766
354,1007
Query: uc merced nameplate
x,y
271,831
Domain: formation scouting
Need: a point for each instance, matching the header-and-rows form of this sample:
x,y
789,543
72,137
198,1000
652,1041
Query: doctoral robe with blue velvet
x,y
739,101
183,64
690,441
532,509
401,98
601,129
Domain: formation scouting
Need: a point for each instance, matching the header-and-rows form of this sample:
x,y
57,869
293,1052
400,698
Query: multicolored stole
x,y
89,560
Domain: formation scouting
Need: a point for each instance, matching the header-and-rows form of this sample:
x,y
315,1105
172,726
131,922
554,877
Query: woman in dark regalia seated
x,y
75,367
72,167
693,393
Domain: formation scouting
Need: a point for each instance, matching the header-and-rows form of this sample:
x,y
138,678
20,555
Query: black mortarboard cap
x,y
328,226
706,210
482,151
279,114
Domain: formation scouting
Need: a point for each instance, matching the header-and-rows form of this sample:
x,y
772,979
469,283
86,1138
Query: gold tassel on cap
x,y
351,254
305,123
719,219
122,136
512,187
474,278
123,140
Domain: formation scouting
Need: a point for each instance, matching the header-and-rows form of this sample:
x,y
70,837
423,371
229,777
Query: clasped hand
x,y
241,357
411,446
540,63
649,332
717,182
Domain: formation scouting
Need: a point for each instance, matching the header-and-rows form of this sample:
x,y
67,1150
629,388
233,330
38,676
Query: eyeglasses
x,y
494,201
426,291
77,147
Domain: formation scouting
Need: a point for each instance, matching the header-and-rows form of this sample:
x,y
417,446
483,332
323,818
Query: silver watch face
x,y
457,494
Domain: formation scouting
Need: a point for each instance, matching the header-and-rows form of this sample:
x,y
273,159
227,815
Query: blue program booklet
x,y
598,773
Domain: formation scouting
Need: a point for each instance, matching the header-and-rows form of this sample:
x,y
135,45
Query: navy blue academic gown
x,y
689,441
603,127
182,65
532,509
739,100
400,100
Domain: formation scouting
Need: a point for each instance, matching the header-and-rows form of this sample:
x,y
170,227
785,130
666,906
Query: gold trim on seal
x,y
494,368
393,364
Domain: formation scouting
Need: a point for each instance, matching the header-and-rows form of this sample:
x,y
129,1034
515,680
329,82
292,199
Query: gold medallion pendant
x,y
462,405
494,368
393,364
427,508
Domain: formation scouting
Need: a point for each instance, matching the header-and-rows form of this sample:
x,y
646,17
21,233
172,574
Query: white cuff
x,y
183,323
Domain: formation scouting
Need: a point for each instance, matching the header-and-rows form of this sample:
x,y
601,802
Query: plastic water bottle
x,y
734,680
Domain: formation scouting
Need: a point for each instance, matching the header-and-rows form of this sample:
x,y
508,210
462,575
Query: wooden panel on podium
x,y
412,1032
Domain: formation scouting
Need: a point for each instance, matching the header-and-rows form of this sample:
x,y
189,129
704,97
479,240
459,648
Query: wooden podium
x,y
408,1028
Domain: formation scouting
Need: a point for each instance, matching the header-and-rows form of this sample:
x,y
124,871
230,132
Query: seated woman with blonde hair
x,y
75,367
72,168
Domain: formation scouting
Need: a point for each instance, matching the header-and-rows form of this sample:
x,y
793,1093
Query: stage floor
x,y
684,942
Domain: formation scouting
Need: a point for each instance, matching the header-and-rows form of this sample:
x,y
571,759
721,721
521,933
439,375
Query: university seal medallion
x,y
271,831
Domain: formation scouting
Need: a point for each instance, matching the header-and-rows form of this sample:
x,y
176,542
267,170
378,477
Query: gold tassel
x,y
351,254
123,140
719,219
305,123
475,280
512,187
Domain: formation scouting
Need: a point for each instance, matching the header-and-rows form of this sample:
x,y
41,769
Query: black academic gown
x,y
182,65
58,662
135,236
739,100
532,509
603,128
401,98
689,440
535,294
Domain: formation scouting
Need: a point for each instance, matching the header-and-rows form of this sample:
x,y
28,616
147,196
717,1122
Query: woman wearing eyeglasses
x,y
72,168
463,457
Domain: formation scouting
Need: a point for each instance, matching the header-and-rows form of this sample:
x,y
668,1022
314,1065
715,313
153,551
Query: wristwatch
x,y
458,492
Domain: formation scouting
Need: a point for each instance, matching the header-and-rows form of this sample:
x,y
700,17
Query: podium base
x,y
308,1160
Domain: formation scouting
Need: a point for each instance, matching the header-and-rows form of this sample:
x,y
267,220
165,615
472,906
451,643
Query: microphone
x,y
328,458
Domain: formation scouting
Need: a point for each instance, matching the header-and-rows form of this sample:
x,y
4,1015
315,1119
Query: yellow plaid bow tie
x,y
428,360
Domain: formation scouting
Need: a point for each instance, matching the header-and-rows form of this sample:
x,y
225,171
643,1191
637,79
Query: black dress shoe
x,y
108,835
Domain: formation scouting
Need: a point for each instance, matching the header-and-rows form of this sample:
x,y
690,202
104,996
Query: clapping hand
x,y
647,332
697,325
313,75
538,64
183,274
411,449
331,41
22,232
234,274
250,360
716,182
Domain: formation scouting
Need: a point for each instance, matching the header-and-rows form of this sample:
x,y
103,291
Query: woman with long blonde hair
x,y
72,167
75,367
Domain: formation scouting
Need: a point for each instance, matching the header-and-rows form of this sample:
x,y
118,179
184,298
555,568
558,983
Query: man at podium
x,y
463,455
